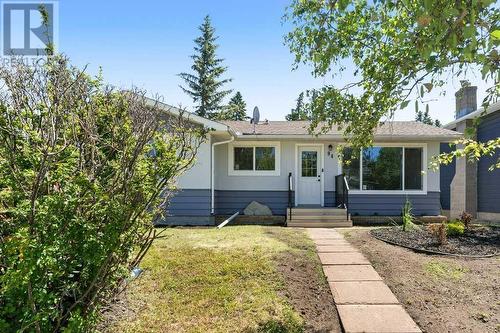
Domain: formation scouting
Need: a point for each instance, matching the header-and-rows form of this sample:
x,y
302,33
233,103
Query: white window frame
x,y
398,145
253,144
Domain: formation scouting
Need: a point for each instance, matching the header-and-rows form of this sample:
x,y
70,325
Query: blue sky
x,y
147,43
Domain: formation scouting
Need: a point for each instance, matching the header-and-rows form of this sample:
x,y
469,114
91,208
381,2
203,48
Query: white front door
x,y
309,180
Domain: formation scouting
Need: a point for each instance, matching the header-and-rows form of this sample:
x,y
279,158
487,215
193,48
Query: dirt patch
x,y
478,241
305,284
442,294
309,293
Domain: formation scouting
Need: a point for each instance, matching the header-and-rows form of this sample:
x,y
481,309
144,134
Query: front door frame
x,y
322,172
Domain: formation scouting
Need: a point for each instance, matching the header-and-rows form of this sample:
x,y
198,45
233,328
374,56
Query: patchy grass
x,y
209,280
442,270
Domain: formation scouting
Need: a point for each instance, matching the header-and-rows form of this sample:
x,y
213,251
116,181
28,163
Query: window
x,y
413,168
351,169
382,168
243,158
309,164
265,158
385,169
257,158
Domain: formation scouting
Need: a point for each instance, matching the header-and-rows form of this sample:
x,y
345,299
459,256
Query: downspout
x,y
212,167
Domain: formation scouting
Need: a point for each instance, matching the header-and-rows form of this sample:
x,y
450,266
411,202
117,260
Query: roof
x,y
393,129
479,112
211,124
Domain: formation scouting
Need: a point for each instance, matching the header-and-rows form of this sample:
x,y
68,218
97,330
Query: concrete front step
x,y
319,224
317,211
320,217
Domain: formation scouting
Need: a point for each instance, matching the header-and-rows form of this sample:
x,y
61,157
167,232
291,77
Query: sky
x,y
147,43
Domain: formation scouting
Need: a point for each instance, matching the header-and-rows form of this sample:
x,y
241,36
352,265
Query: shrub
x,y
84,169
439,231
466,219
407,217
454,228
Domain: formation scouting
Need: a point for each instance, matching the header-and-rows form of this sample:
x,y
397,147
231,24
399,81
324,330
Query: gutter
x,y
212,167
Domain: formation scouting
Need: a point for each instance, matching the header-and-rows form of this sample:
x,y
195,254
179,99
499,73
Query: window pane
x,y
264,158
413,168
309,164
243,158
382,168
351,168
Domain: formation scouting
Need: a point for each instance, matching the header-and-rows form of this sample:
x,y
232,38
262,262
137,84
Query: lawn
x,y
441,293
237,279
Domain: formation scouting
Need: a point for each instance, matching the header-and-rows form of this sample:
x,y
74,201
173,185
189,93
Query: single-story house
x,y
467,186
279,164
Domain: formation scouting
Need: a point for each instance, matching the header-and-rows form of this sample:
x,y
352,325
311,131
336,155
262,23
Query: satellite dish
x,y
256,115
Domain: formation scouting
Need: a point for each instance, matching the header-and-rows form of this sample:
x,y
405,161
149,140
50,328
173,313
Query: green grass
x,y
443,270
209,280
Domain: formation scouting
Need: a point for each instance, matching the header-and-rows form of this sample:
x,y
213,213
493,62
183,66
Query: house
x,y
467,186
278,163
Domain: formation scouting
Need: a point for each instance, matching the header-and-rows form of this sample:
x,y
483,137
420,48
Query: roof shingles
x,y
405,129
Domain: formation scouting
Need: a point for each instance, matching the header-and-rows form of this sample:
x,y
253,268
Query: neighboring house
x,y
467,186
242,162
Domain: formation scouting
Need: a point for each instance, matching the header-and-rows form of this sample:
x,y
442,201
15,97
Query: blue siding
x,y
447,172
488,182
329,198
391,204
228,202
190,203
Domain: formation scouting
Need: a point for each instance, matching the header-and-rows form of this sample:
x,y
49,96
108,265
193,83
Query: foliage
x,y
454,228
235,110
439,231
396,50
445,270
300,112
466,219
424,117
205,85
408,217
84,169
471,150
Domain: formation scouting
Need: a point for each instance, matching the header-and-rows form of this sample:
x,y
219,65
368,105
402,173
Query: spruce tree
x,y
235,110
300,112
205,84
424,117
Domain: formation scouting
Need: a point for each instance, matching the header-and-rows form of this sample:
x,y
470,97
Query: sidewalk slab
x,y
351,273
362,292
376,319
338,241
348,258
335,248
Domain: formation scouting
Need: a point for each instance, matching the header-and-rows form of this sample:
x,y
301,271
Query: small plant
x,y
466,219
439,231
407,217
455,228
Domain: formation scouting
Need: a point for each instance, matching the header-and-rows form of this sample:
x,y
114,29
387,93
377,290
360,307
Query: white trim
x,y
212,169
478,113
322,163
382,192
277,158
338,138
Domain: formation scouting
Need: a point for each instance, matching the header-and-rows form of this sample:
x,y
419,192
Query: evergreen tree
x,y
300,112
235,110
425,118
205,85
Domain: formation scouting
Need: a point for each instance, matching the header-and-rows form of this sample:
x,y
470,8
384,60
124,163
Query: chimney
x,y
465,99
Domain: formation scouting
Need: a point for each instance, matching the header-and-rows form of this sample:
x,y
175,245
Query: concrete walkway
x,y
364,302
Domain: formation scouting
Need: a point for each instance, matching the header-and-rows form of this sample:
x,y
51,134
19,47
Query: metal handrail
x,y
342,192
290,189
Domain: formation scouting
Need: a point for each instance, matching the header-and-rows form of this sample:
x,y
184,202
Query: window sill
x,y
253,173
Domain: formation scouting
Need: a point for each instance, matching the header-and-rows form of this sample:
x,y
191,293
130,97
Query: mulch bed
x,y
478,241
